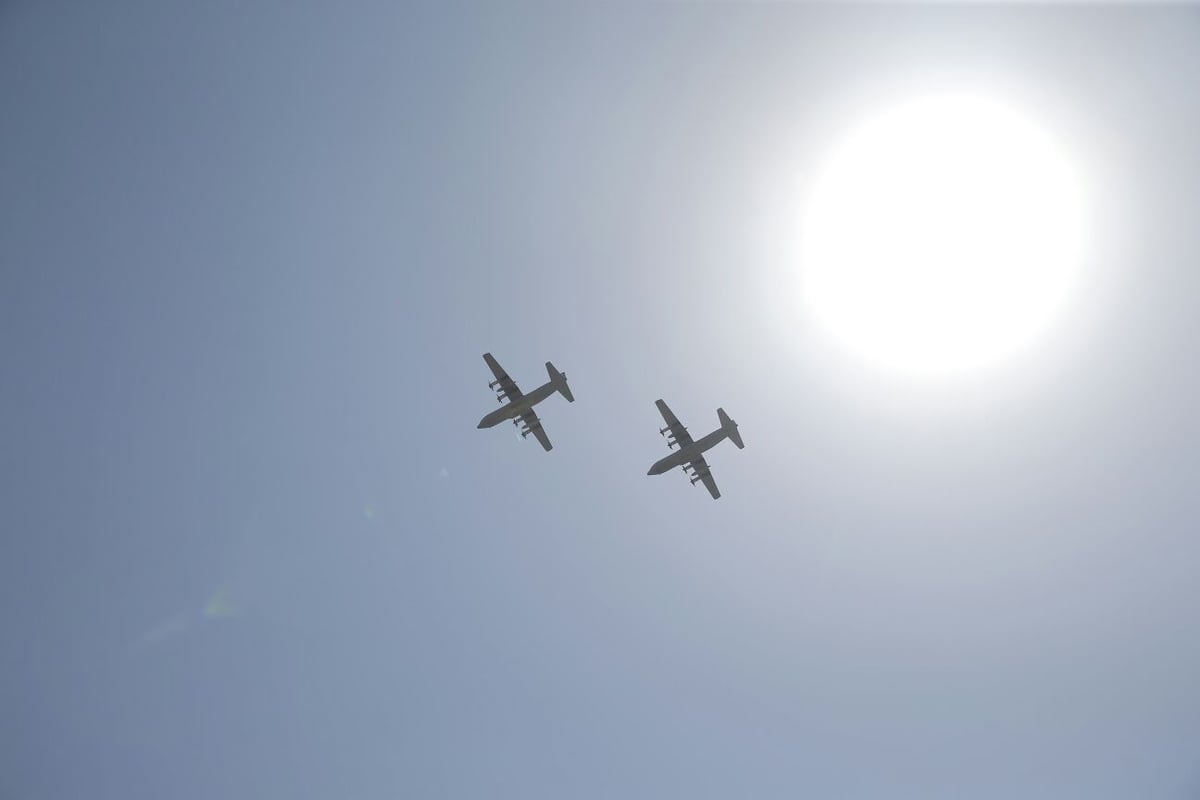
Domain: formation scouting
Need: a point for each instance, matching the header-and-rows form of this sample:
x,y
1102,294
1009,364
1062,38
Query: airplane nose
x,y
480,425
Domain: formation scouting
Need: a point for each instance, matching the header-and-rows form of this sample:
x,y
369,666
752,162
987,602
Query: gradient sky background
x,y
254,547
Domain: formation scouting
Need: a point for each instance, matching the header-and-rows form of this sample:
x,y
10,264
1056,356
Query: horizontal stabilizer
x,y
730,427
559,380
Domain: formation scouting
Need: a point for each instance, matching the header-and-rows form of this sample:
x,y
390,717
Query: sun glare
x,y
942,234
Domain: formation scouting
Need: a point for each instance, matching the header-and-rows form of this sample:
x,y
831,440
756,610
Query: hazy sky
x,y
254,546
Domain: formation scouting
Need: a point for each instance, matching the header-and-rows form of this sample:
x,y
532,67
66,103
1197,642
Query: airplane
x,y
520,406
691,452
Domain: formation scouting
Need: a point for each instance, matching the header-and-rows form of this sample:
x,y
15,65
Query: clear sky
x,y
253,545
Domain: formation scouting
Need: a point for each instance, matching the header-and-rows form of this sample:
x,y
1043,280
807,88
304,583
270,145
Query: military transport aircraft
x,y
520,406
691,452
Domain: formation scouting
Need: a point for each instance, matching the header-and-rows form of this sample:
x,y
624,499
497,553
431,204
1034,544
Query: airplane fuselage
x,y
516,408
685,454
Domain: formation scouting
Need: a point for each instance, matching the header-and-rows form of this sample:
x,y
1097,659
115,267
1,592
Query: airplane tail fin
x,y
559,379
730,427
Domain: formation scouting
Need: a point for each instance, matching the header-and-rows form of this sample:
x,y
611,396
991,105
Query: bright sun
x,y
943,234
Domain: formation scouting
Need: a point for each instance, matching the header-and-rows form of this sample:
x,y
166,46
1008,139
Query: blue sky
x,y
254,546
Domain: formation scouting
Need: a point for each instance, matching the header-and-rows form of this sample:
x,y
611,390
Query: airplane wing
x,y
534,425
701,472
505,386
677,431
